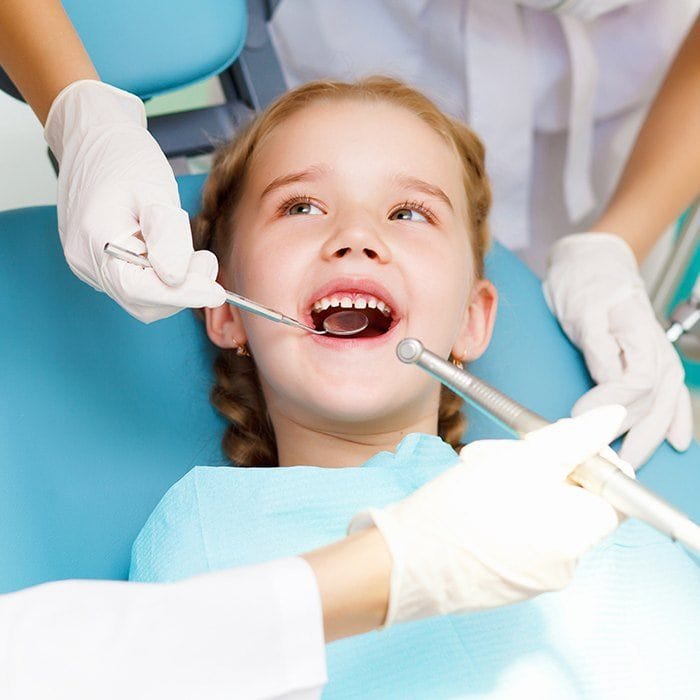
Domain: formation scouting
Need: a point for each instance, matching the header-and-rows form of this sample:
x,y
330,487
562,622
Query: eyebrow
x,y
415,183
311,173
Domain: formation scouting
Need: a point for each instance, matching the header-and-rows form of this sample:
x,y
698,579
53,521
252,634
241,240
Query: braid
x,y
452,423
249,439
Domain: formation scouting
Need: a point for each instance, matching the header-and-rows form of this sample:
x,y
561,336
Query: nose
x,y
356,238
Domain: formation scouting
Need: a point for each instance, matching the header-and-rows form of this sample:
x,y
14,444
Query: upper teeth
x,y
347,301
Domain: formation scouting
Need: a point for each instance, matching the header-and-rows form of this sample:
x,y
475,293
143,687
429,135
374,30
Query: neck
x,y
299,444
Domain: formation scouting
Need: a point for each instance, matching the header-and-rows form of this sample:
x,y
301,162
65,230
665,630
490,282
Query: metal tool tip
x,y
409,350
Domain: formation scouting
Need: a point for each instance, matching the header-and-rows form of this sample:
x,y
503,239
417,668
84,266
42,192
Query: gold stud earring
x,y
457,362
242,350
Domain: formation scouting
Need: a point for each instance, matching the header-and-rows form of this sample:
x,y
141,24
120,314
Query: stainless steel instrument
x,y
343,323
597,474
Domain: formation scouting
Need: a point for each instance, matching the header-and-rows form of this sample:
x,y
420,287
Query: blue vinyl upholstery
x,y
100,414
148,46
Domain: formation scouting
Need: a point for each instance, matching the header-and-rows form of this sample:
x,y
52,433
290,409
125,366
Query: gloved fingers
x,y
620,463
627,365
133,242
560,447
204,262
638,340
166,230
149,314
646,350
641,357
645,436
601,351
197,291
586,515
624,392
131,285
680,432
589,520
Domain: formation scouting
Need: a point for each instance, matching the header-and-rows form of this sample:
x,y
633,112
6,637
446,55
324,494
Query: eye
x,y
412,211
406,214
298,208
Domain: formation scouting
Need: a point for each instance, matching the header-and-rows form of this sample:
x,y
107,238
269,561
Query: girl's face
x,y
362,204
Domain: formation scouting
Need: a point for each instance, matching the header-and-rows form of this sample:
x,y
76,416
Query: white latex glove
x,y
594,289
502,526
115,185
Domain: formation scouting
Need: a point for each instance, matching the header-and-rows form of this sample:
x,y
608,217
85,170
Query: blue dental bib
x,y
627,627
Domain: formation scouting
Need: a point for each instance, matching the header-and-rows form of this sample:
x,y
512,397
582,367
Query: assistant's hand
x,y
502,526
594,289
115,185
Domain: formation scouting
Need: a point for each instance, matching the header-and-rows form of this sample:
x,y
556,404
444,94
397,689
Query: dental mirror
x,y
345,323
341,323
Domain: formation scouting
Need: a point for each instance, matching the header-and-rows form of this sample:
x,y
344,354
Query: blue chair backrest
x,y
148,46
100,414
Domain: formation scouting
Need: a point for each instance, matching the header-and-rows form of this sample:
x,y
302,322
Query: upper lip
x,y
352,285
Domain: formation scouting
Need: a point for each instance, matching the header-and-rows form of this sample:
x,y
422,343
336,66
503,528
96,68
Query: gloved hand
x,y
594,289
115,185
502,526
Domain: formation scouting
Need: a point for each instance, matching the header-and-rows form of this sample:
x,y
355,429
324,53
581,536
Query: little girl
x,y
366,196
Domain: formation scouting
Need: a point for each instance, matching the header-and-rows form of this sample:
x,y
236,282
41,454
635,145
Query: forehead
x,y
359,136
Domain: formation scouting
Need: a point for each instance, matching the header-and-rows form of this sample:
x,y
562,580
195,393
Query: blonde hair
x,y
249,439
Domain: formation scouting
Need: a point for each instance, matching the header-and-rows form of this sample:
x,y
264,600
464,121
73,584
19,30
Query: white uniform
x,y
557,97
250,632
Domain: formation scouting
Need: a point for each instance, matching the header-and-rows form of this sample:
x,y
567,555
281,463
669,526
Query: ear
x,y
477,325
225,326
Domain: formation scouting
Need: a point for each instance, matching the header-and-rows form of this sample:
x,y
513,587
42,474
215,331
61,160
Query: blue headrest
x,y
100,414
133,42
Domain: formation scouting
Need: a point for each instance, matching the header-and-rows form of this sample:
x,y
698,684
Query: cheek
x,y
440,290
443,273
264,270
255,254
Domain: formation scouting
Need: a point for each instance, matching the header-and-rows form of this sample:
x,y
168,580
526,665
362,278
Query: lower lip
x,y
350,343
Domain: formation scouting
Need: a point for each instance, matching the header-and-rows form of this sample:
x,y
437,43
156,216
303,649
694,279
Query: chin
x,y
370,407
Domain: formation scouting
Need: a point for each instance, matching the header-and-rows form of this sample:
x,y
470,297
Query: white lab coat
x,y
557,97
251,632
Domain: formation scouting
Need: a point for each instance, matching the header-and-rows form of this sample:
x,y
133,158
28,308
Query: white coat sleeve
x,y
253,632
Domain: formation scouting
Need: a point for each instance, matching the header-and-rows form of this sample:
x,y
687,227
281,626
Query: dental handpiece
x,y
596,474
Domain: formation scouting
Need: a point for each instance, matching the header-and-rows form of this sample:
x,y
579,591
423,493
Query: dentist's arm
x,y
501,526
115,184
593,284
41,51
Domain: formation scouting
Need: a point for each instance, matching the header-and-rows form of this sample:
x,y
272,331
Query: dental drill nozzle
x,y
597,474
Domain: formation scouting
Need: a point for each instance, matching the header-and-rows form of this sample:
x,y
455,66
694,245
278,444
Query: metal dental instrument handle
x,y
242,302
597,474
686,315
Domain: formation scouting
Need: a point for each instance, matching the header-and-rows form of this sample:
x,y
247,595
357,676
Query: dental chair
x,y
101,414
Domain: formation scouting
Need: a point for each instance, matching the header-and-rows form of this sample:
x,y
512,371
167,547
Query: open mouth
x,y
379,313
